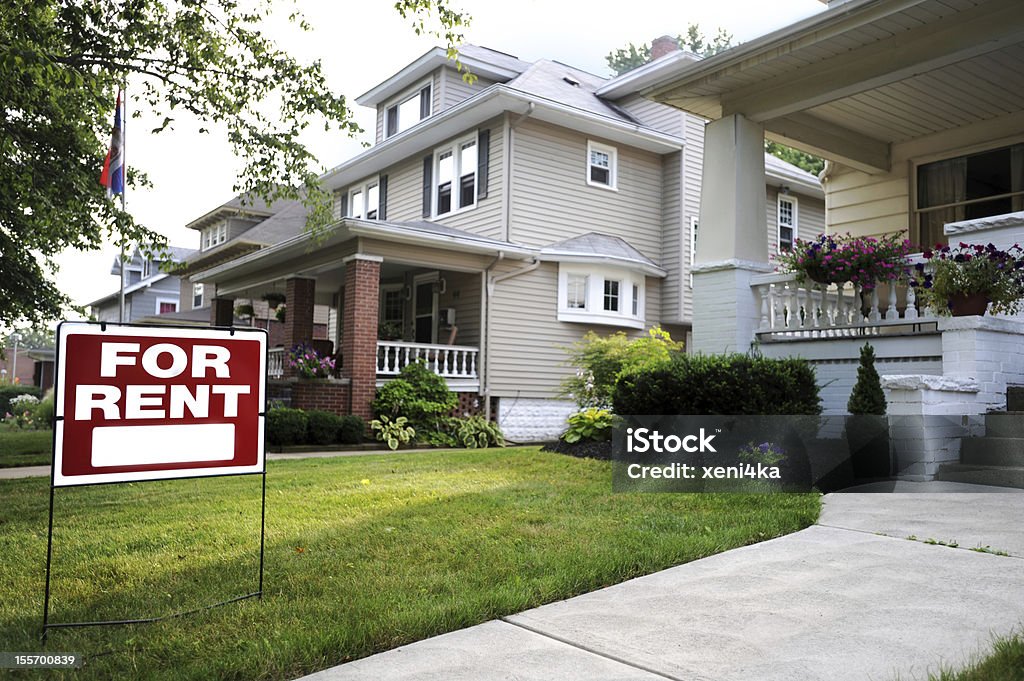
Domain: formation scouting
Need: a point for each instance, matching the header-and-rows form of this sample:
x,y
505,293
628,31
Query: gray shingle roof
x,y
287,222
573,87
598,245
499,59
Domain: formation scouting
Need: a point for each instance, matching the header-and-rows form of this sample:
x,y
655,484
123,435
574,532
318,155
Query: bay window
x,y
599,294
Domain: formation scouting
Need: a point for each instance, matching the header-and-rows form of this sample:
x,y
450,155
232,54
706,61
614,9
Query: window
x,y
599,294
214,236
968,187
693,246
455,176
392,304
407,111
132,275
164,305
611,295
364,201
576,291
147,266
787,222
601,165
197,296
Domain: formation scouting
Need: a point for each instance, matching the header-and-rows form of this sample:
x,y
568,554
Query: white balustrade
x,y
448,361
275,362
789,309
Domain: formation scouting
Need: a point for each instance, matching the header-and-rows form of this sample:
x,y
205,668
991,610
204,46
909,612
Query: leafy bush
x,y
477,432
351,430
9,391
322,427
867,396
418,394
589,425
44,411
720,384
599,362
287,426
393,433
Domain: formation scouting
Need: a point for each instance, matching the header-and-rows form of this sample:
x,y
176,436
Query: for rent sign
x,y
145,403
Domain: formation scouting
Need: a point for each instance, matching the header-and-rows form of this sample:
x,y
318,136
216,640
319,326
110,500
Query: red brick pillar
x,y
298,315
222,312
359,330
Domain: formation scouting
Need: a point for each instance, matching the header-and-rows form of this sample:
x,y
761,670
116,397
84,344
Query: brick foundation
x,y
324,396
359,341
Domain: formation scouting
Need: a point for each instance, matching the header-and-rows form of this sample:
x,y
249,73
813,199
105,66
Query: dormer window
x,y
409,110
214,236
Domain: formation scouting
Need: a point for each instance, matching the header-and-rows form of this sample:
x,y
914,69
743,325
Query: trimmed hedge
x,y
298,427
9,391
720,384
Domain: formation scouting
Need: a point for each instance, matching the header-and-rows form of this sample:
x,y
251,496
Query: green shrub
x,y
322,427
867,396
9,391
351,430
720,384
44,412
418,394
600,360
589,425
393,433
477,432
287,426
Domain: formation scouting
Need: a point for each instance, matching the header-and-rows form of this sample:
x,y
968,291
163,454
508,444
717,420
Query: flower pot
x,y
819,275
964,304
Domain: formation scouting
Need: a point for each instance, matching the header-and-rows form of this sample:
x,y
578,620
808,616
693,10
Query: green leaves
x,y
393,433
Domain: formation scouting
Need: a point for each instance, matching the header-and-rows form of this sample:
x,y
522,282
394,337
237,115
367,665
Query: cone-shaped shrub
x,y
867,396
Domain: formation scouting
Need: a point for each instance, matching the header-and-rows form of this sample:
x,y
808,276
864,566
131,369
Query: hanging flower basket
x,y
966,304
841,258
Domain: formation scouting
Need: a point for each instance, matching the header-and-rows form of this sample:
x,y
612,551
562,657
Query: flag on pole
x,y
113,167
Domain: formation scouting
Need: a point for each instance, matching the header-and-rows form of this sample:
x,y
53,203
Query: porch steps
x,y
995,459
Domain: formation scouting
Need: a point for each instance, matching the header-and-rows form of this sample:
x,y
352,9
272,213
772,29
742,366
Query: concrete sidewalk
x,y
849,598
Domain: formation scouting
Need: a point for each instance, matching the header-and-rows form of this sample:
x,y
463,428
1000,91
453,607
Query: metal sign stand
x,y
47,625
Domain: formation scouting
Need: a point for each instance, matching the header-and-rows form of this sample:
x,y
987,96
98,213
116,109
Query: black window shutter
x,y
482,156
382,192
344,204
428,167
424,102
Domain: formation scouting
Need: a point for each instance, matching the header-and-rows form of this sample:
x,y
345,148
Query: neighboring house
x,y
919,105
491,226
148,290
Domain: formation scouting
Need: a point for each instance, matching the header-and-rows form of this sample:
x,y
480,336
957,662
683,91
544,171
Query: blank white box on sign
x,y
143,445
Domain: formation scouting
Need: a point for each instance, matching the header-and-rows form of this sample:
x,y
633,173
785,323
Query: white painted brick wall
x,y
532,419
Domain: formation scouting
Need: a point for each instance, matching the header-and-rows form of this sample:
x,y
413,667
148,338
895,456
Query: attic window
x,y
571,81
407,111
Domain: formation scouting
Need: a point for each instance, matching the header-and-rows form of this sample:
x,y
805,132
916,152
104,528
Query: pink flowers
x,y
844,258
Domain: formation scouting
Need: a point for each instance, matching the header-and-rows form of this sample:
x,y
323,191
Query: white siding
x,y
454,90
658,116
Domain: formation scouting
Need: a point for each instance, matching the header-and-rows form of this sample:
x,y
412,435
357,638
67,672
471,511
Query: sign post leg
x,y
49,554
263,525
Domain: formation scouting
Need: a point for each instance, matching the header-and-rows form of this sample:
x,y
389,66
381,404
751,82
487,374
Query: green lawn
x,y
363,554
25,447
1004,663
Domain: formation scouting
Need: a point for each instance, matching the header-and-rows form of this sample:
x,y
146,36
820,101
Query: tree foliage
x,y
631,56
61,63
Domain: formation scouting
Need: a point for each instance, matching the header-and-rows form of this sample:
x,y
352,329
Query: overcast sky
x,y
362,44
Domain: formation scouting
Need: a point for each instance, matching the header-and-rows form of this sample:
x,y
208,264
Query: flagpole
x,y
124,189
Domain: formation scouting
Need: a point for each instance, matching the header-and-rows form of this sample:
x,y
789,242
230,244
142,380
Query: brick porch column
x,y
359,330
298,315
222,312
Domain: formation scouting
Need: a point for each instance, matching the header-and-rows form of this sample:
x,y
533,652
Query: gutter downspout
x,y
490,281
485,331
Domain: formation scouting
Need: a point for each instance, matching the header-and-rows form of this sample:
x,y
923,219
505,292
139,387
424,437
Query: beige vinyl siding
x,y
673,235
866,204
435,104
423,256
454,90
661,117
693,160
405,191
552,201
528,344
810,218
462,292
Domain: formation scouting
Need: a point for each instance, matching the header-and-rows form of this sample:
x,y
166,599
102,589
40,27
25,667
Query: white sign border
x,y
67,328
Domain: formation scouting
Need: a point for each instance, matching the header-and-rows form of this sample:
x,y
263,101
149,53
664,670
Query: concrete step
x,y
992,451
997,476
1009,424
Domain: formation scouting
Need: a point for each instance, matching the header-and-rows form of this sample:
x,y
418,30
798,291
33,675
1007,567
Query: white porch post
x,y
732,241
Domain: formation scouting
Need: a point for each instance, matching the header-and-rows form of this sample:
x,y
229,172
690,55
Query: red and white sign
x,y
148,403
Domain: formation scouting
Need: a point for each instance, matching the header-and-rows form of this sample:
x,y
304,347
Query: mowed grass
x,y
363,554
1004,663
25,447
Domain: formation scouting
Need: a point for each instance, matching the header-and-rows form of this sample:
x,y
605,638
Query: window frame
x,y
199,293
778,220
455,148
630,283
364,200
161,301
396,103
613,165
213,236
385,289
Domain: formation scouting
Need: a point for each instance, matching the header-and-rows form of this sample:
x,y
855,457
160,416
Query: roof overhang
x,y
778,175
221,254
851,81
556,255
644,76
491,102
421,68
145,283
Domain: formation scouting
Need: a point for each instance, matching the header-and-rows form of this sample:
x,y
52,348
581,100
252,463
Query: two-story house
x,y
490,227
149,289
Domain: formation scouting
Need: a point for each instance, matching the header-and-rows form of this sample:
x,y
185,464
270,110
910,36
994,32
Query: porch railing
x,y
810,310
275,362
449,361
